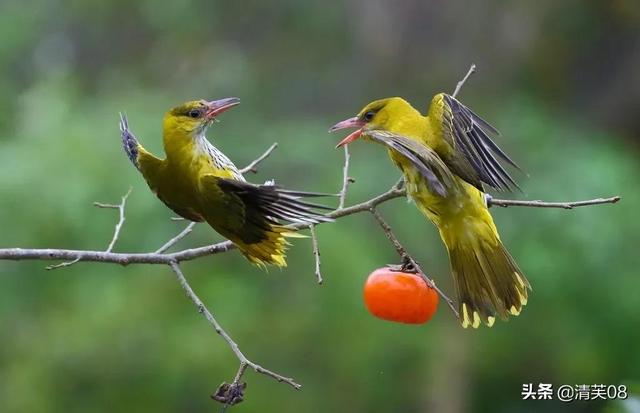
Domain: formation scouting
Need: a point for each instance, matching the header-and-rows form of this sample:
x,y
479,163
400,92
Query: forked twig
x,y
120,208
116,233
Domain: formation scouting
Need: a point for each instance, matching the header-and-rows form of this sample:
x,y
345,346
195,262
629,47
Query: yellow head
x,y
194,117
383,114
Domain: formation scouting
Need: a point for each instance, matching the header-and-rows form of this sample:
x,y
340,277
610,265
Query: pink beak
x,y
216,107
354,122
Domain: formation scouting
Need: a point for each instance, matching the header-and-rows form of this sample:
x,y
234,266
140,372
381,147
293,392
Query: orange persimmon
x,y
399,296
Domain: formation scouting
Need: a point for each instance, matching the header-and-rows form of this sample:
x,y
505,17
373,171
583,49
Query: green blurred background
x,y
559,79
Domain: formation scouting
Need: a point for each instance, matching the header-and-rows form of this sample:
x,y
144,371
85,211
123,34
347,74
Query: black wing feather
x,y
428,163
471,136
271,201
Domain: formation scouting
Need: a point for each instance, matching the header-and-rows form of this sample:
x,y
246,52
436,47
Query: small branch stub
x,y
346,180
173,241
472,70
252,166
316,252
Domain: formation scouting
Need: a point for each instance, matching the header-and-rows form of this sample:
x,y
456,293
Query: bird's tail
x,y
270,251
488,282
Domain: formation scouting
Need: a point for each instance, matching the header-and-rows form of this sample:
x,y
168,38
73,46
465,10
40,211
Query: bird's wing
x,y
140,157
474,152
426,160
249,210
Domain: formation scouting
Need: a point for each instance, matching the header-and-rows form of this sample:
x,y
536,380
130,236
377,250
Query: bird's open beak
x,y
354,122
216,107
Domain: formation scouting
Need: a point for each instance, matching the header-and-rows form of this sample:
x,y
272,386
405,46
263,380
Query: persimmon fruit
x,y
399,296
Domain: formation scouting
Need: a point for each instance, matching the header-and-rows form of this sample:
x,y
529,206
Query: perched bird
x,y
445,158
200,183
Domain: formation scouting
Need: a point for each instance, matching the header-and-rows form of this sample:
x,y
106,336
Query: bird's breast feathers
x,y
211,160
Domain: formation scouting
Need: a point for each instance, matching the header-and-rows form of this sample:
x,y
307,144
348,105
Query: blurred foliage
x,y
558,78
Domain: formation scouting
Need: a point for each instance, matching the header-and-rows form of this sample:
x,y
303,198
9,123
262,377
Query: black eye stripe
x,y
194,113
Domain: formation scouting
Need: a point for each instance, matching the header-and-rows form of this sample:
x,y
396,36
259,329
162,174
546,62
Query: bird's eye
x,y
194,113
368,116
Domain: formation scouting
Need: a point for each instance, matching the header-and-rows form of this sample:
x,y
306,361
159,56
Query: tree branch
x,y
173,241
19,254
244,361
542,204
472,70
252,166
345,178
116,232
120,208
316,252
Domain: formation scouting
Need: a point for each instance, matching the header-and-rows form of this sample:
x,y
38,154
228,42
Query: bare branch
x,y
193,253
252,166
179,256
472,70
19,254
345,178
364,206
542,204
233,393
316,252
202,309
224,246
173,241
120,208
240,373
402,251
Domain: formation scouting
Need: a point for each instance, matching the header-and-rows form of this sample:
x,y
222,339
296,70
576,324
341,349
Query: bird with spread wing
x,y
200,183
446,157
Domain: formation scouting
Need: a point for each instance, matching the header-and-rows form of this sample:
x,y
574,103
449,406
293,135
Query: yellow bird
x,y
200,183
445,158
